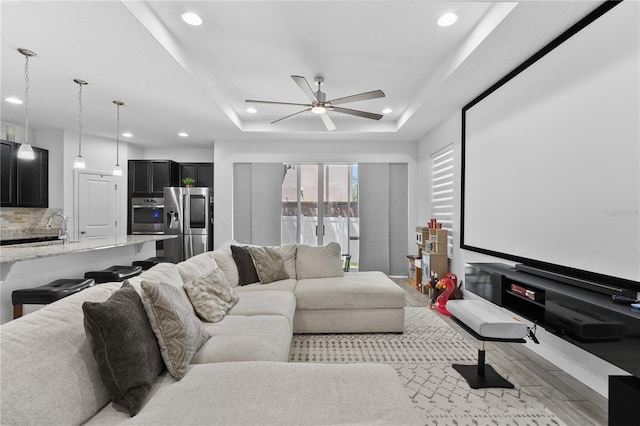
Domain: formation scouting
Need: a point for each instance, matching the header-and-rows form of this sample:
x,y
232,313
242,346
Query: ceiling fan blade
x,y
302,82
360,97
357,113
291,115
328,122
275,103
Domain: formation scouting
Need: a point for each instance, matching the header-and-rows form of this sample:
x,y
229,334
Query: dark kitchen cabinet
x,y
201,172
149,177
24,183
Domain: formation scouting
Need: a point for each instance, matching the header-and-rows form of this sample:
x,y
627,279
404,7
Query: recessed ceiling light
x,y
191,18
183,134
13,100
387,111
127,135
447,19
252,110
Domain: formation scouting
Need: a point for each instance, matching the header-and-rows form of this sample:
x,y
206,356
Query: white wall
x,y
229,152
582,365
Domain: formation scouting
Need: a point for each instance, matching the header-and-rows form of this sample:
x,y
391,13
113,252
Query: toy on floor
x,y
449,283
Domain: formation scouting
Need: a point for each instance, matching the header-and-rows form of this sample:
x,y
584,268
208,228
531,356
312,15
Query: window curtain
x,y
384,200
257,203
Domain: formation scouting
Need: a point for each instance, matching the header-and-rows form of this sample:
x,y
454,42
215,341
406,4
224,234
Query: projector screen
x,y
551,154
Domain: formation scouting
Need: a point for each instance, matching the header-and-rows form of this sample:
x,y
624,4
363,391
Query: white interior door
x,y
97,206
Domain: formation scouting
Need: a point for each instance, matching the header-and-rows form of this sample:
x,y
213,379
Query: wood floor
x,y
569,399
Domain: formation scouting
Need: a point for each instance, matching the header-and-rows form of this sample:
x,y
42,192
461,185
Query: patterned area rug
x,y
423,356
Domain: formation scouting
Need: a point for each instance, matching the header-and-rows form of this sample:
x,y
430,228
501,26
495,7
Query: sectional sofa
x,y
239,374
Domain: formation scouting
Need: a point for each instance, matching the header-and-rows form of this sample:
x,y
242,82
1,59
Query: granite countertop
x,y
29,251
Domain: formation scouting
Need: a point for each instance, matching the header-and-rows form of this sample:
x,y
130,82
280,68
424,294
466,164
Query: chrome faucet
x,y
64,233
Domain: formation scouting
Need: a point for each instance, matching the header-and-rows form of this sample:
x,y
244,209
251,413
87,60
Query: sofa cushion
x,y
282,285
271,393
179,332
49,374
247,273
356,290
318,262
288,254
211,295
224,259
268,264
196,266
124,345
165,273
246,338
266,303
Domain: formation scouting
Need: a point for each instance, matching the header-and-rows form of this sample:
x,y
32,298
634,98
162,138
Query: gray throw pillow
x,y
319,262
179,332
125,347
211,295
269,264
247,273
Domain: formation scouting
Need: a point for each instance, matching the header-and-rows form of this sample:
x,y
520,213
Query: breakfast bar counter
x,y
21,252
35,264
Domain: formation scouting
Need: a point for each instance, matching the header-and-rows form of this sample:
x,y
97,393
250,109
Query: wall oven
x,y
147,215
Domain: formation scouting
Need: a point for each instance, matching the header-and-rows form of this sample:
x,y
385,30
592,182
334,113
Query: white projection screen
x,y
551,154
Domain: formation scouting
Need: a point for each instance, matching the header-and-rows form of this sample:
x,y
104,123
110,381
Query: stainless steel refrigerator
x,y
187,213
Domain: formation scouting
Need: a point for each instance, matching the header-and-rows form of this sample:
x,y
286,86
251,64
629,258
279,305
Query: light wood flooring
x,y
569,399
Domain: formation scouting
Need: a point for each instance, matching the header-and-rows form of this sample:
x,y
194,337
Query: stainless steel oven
x,y
147,215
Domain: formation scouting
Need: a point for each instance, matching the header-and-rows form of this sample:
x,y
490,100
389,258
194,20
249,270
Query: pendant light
x,y
117,171
26,152
79,161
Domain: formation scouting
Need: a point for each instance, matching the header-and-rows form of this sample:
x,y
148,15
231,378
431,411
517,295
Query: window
x,y
442,191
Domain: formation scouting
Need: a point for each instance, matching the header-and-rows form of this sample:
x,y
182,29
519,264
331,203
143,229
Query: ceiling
x,y
175,78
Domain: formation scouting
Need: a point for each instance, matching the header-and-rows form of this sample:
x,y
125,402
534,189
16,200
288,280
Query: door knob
x,y
83,232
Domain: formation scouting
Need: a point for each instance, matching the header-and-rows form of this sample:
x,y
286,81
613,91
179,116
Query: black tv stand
x,y
578,282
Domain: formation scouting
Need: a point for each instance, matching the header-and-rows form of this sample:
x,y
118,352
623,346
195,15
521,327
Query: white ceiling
x,y
173,77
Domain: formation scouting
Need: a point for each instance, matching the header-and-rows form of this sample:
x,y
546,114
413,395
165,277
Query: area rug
x,y
423,356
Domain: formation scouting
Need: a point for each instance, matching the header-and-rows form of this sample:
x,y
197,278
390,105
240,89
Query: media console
x,y
587,319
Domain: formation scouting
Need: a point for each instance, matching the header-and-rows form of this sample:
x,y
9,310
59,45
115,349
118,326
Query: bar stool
x,y
48,293
151,262
114,273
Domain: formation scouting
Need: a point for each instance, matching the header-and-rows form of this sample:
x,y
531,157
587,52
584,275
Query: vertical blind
x,y
442,190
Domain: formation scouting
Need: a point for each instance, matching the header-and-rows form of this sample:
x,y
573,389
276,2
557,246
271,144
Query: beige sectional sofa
x,y
240,375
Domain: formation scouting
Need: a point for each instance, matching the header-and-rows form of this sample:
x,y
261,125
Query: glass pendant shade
x,y
26,152
79,163
117,170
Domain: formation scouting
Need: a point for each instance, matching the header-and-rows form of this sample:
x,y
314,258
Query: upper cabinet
x,y
201,172
24,183
149,177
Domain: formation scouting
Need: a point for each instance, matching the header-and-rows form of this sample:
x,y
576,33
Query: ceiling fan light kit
x,y
320,106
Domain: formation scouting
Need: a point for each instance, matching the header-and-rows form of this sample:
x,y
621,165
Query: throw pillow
x,y
124,345
269,264
319,262
224,259
288,253
247,273
211,295
179,332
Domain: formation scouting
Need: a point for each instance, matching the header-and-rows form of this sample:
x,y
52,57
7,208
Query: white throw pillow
x,y
288,254
319,262
225,261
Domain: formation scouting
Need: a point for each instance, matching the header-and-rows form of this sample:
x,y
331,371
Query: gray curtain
x,y
257,203
384,197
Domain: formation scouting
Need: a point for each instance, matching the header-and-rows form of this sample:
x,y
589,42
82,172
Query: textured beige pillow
x,y
211,295
196,266
319,262
179,332
268,263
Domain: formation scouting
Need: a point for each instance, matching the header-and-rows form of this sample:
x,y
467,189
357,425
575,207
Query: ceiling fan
x,y
320,105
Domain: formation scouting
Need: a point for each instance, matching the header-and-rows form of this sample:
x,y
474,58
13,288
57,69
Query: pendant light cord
x,y
117,134
80,120
27,83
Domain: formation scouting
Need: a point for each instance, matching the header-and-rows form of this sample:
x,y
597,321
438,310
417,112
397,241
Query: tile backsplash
x,y
25,222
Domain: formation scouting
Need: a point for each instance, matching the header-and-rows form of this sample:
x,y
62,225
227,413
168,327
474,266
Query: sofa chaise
x,y
239,375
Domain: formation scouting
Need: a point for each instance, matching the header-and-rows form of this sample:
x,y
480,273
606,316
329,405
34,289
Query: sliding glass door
x,y
320,205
